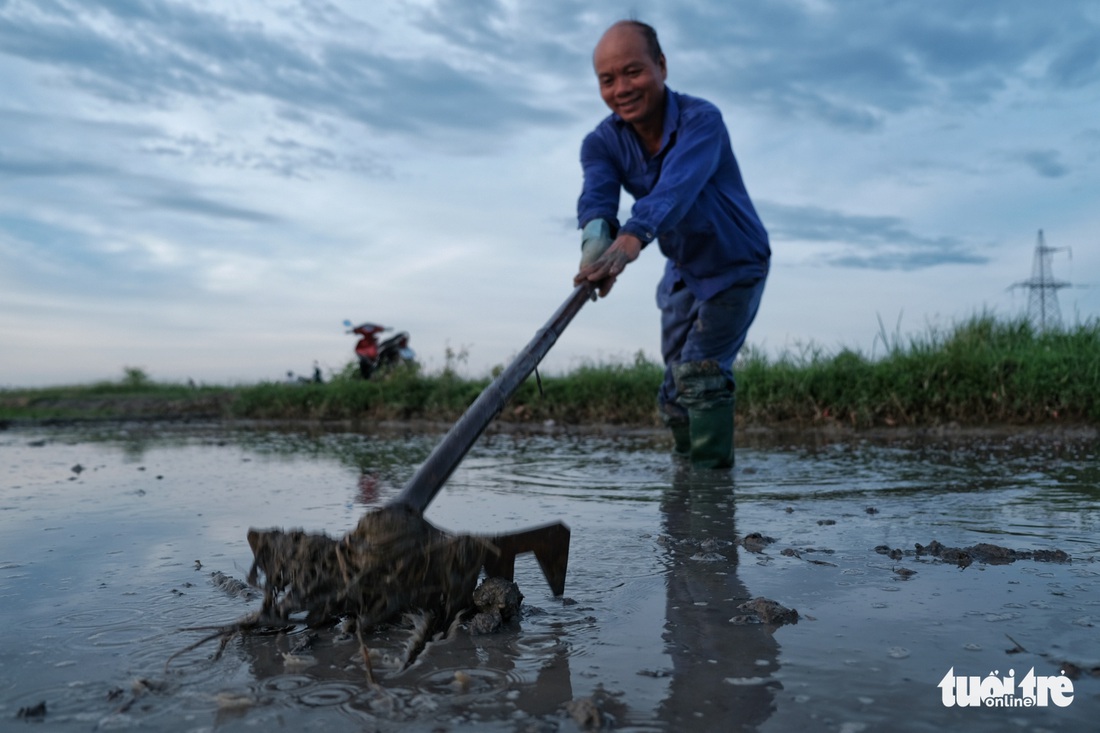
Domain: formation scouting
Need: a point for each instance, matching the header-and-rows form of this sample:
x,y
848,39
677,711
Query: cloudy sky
x,y
207,189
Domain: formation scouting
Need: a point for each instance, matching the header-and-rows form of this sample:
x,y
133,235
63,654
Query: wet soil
x,y
680,603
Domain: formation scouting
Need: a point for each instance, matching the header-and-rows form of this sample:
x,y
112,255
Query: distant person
x,y
672,153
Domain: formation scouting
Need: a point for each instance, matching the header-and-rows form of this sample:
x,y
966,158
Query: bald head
x,y
647,33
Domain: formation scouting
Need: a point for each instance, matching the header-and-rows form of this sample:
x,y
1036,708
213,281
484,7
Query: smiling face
x,y
632,82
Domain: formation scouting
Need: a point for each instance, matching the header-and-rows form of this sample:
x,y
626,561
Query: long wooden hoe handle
x,y
434,472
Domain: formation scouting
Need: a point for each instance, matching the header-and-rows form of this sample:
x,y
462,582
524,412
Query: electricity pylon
x,y
1042,297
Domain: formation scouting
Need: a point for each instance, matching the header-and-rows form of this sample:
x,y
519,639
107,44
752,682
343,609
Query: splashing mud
x,y
393,561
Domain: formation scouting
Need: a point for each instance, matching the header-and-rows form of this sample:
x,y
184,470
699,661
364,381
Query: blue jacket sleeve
x,y
688,165
599,197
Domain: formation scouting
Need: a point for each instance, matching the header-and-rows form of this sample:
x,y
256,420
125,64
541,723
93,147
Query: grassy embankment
x,y
983,371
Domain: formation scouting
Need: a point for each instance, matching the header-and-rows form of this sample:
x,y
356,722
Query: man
x,y
672,153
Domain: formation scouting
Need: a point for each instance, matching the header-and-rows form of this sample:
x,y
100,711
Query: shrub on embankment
x,y
982,371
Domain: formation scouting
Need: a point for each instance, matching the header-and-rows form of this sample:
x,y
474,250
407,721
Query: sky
x,y
206,190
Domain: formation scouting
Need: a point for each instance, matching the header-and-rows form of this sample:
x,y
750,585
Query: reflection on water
x,y
107,542
722,674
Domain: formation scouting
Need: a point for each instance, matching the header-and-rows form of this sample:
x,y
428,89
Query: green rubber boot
x,y
681,432
709,399
712,437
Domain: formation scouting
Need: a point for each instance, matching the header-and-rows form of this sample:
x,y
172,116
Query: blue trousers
x,y
710,330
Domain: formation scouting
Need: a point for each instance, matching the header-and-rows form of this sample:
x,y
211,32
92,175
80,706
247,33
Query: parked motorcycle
x,y
374,355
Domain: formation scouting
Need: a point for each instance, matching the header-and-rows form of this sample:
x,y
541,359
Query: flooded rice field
x,y
831,586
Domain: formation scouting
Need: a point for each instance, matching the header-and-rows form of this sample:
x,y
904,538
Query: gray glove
x,y
595,239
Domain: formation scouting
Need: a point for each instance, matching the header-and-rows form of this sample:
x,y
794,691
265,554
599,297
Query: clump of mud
x,y
586,713
984,552
765,611
391,562
600,711
756,542
498,601
33,712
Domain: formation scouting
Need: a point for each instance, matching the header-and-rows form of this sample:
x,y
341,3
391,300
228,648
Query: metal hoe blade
x,y
550,543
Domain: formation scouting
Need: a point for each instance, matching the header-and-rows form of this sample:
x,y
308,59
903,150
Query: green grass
x,y
981,371
608,393
134,396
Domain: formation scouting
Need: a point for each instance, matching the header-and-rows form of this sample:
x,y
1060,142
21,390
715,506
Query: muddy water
x,y
108,540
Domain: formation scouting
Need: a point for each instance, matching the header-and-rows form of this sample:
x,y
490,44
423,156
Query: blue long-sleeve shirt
x,y
690,197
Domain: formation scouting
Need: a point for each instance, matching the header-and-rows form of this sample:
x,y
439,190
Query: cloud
x,y
202,206
506,67
67,260
277,154
209,166
22,167
546,38
851,65
324,14
154,54
1046,163
867,242
1078,64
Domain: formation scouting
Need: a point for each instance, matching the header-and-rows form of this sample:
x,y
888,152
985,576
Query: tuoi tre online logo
x,y
992,691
